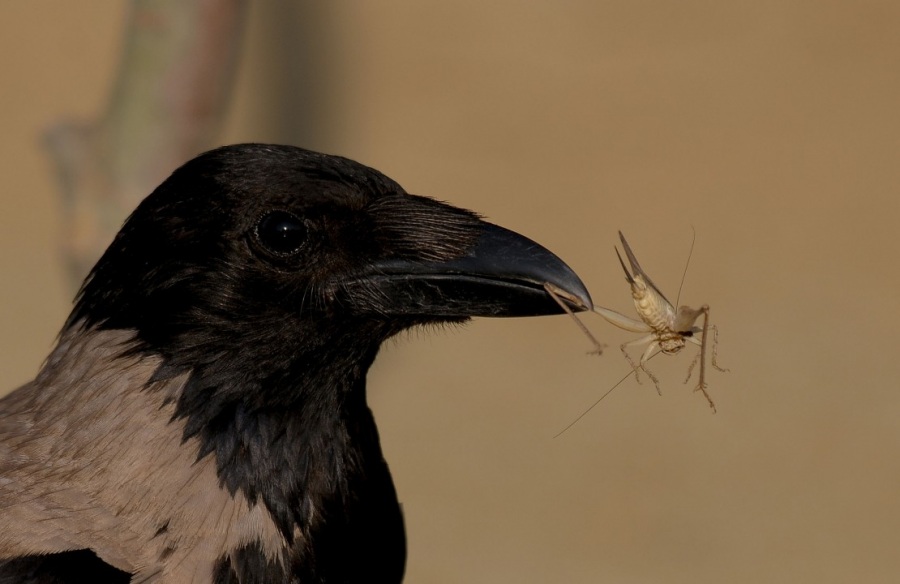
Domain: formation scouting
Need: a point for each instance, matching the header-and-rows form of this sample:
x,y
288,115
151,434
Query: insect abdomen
x,y
652,309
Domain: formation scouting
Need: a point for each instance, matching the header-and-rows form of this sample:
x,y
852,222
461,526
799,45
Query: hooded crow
x,y
203,417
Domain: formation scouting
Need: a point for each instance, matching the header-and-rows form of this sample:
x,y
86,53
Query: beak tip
x,y
585,298
581,298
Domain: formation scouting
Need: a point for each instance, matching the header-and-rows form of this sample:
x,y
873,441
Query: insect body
x,y
667,330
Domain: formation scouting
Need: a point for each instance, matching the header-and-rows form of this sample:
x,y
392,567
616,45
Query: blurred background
x,y
771,128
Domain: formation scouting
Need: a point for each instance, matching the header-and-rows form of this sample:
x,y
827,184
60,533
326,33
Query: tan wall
x,y
772,128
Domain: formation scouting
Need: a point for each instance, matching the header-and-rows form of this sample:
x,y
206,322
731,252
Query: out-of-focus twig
x,y
167,104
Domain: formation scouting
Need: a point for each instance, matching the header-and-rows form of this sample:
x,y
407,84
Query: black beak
x,y
503,274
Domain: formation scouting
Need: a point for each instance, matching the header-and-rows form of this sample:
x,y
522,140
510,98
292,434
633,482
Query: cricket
x,y
666,330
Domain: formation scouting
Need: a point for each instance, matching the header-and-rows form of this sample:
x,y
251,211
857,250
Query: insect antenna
x,y
600,399
593,405
687,264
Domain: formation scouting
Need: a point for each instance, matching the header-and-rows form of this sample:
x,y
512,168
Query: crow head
x,y
269,276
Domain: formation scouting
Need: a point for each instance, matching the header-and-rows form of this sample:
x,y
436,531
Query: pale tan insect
x,y
668,330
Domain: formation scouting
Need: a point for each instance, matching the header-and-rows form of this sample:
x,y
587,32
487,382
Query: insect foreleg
x,y
693,364
715,348
653,345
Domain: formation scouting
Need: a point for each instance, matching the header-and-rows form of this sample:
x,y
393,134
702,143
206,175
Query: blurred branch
x,y
167,105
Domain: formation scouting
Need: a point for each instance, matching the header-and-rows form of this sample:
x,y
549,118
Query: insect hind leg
x,y
558,294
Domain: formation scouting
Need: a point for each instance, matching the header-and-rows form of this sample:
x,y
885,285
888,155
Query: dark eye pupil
x,y
281,233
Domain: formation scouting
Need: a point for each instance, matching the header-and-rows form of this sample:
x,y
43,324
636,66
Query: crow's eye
x,y
281,233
